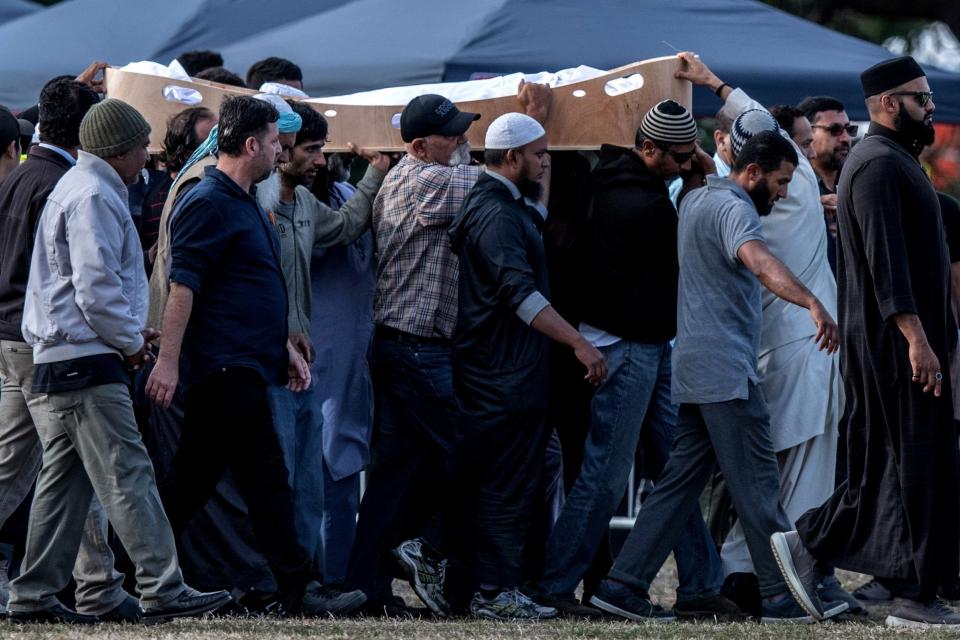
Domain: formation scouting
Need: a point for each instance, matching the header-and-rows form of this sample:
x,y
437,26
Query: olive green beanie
x,y
111,128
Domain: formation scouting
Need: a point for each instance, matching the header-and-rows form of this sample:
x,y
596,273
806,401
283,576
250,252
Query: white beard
x,y
460,156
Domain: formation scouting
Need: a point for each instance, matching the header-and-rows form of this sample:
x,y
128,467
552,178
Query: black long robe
x,y
896,515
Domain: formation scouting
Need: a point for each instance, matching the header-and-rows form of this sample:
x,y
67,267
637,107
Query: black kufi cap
x,y
889,74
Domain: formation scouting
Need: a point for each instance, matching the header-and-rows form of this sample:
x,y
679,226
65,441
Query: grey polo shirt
x,y
718,305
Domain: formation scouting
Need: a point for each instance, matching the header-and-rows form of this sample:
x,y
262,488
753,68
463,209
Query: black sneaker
x,y
830,591
57,614
799,570
127,611
319,600
912,614
626,602
743,589
190,603
713,608
783,609
872,591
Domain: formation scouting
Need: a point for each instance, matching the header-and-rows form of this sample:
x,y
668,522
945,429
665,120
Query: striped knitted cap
x,y
111,128
668,122
748,124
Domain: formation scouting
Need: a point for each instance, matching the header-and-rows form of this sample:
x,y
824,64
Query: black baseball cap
x,y
431,114
12,128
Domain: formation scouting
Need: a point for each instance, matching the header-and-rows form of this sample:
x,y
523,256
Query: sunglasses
x,y
679,158
923,97
836,129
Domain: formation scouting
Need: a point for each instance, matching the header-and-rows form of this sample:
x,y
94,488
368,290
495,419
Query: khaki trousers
x,y
99,585
91,445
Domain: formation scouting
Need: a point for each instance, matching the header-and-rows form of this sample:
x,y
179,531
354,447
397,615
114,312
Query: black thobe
x,y
896,514
500,375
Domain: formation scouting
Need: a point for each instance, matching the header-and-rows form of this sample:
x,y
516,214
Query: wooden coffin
x,y
583,115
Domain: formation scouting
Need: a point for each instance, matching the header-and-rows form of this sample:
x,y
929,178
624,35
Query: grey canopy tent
x,y
777,57
10,9
354,45
65,38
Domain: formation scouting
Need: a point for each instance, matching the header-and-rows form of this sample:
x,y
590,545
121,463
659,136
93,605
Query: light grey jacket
x,y
314,224
87,291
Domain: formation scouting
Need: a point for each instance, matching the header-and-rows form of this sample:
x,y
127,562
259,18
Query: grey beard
x,y
460,156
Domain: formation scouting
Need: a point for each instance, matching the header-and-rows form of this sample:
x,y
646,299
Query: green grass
x,y
427,630
392,629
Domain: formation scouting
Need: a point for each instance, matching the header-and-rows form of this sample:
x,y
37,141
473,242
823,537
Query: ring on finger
x,y
938,377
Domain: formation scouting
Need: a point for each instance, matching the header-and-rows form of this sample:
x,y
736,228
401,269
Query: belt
x,y
383,332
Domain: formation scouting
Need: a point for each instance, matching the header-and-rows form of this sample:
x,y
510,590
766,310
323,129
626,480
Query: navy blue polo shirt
x,y
225,249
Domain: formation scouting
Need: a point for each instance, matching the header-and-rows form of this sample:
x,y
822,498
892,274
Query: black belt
x,y
383,332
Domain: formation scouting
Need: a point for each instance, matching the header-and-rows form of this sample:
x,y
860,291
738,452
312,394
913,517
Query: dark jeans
x,y
637,387
735,435
228,425
414,427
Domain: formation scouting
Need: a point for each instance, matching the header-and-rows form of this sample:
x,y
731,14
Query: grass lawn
x,y
424,630
390,629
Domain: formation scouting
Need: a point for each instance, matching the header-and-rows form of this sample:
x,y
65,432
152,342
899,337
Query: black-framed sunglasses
x,y
836,129
923,97
678,157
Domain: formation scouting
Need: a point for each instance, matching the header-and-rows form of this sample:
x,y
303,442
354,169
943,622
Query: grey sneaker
x,y
425,575
830,591
799,571
509,605
872,591
912,614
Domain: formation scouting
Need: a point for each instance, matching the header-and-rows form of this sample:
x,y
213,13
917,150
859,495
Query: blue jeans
x,y
298,422
637,387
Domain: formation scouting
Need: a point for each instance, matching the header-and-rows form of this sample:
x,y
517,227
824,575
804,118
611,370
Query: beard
x,y
461,155
760,195
916,130
266,174
835,161
529,188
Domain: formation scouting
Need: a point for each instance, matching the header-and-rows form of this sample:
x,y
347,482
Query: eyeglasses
x,y
836,129
923,97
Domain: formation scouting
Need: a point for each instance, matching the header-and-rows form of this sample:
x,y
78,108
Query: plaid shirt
x,y
416,271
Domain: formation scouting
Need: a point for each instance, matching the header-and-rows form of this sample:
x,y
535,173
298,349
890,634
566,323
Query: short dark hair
x,y
814,105
271,70
63,103
243,117
193,62
313,126
766,149
495,157
724,121
786,116
181,138
221,75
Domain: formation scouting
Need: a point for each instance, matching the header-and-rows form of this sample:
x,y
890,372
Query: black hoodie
x,y
630,251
